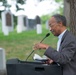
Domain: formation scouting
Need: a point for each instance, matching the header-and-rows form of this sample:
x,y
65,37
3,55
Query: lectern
x,y
16,67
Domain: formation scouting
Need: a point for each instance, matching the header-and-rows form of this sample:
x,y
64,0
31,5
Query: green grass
x,y
20,45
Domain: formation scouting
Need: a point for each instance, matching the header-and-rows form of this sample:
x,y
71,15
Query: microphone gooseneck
x,y
29,55
40,42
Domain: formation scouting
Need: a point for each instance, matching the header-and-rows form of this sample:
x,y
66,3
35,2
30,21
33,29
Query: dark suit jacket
x,y
66,56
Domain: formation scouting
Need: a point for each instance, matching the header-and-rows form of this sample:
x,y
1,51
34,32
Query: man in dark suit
x,y
65,55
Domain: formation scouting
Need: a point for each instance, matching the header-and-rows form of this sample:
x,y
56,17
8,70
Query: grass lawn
x,y
20,45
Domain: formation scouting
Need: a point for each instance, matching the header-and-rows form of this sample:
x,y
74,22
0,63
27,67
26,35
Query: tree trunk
x,y
66,11
73,16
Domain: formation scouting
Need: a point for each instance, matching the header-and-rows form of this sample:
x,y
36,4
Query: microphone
x,y
40,42
45,37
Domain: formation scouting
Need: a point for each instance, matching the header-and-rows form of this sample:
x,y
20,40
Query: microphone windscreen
x,y
47,34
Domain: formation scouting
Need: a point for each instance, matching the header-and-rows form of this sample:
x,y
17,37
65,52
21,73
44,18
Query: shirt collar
x,y
60,36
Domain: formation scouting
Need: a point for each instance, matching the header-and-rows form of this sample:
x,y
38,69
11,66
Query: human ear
x,y
60,24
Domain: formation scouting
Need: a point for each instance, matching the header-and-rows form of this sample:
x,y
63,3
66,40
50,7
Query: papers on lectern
x,y
39,58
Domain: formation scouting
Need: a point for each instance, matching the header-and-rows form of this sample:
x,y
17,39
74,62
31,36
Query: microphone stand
x,y
30,54
40,42
34,50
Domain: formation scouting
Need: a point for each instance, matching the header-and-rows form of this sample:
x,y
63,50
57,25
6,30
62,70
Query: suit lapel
x,y
66,33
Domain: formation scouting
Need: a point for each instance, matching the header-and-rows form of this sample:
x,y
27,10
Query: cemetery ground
x,y
20,45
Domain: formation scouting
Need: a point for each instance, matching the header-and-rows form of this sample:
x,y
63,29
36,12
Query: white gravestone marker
x,y
20,26
2,62
7,22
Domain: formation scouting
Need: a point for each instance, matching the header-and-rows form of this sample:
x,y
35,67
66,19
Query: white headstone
x,y
47,25
39,28
2,62
7,22
38,25
20,26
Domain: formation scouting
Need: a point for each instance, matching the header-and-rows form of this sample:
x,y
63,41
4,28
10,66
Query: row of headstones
x,y
23,23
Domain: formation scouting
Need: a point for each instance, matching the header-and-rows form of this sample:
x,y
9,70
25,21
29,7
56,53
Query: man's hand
x,y
49,61
40,46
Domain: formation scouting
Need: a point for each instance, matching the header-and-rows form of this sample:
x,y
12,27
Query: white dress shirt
x,y
59,39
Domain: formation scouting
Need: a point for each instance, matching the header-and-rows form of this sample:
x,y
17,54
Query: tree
x,y
71,10
72,16
5,4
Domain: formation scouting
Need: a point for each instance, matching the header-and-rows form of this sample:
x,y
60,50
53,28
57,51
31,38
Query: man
x,y
65,55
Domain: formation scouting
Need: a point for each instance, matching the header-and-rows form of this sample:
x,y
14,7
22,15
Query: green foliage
x,y
21,1
44,18
58,0
5,3
3,0
60,10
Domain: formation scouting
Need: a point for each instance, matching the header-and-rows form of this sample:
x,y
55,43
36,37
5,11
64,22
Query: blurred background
x,y
24,23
